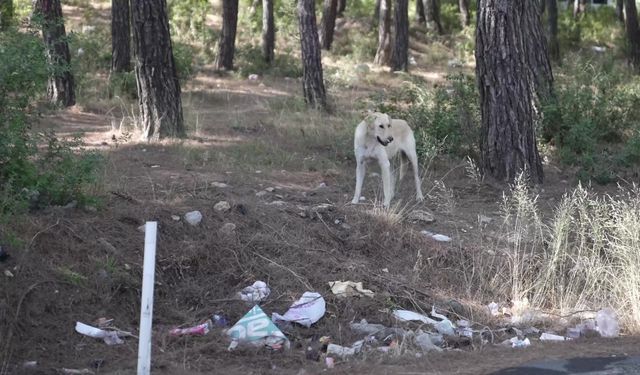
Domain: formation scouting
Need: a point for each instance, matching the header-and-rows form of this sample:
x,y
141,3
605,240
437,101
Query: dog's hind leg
x,y
413,157
403,166
360,171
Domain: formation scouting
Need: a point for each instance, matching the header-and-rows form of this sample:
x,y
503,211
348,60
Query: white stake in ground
x,y
146,302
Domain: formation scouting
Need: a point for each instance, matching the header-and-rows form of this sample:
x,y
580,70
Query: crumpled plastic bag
x,y
256,329
445,326
109,337
305,311
255,293
349,289
607,323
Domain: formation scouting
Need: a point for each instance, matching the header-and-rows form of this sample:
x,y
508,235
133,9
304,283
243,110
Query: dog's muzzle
x,y
385,142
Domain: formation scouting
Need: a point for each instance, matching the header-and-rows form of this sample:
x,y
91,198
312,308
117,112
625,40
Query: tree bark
x,y
312,80
465,16
552,19
376,11
157,79
633,34
537,52
6,13
120,36
226,45
620,10
400,57
383,54
60,86
268,31
507,87
342,6
328,23
432,15
420,12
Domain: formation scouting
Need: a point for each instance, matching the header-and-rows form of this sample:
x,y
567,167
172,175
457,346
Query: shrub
x,y
249,60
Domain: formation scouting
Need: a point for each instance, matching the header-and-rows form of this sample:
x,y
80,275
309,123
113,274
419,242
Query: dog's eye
x,y
381,126
389,126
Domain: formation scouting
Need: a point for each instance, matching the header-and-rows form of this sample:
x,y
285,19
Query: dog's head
x,y
379,125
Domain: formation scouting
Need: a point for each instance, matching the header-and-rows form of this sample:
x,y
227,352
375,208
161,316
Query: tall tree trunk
x,y
400,58
120,36
465,17
633,33
376,11
383,54
432,15
620,10
552,19
506,86
543,6
312,80
537,51
420,12
6,13
268,31
227,43
60,86
342,6
156,75
328,23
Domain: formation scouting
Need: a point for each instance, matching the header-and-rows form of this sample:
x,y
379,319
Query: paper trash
x,y
305,311
255,328
109,337
349,289
255,293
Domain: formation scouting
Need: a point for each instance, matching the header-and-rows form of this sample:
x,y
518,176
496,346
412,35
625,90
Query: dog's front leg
x,y
387,186
360,170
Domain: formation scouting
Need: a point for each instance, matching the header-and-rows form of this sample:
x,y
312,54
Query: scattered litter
x,y
253,77
444,326
8,273
109,337
222,206
261,193
421,215
278,203
329,362
227,228
363,199
30,364
255,293
322,185
219,320
517,343
349,289
343,351
255,328
175,217
305,311
221,185
435,236
582,329
385,270
427,342
141,228
598,49
366,328
494,309
199,330
270,189
552,337
194,217
607,323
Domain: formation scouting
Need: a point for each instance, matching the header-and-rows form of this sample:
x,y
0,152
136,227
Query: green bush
x,y
123,85
249,60
32,175
183,57
593,120
596,26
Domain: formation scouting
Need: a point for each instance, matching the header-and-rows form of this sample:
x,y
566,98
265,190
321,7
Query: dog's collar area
x,y
384,143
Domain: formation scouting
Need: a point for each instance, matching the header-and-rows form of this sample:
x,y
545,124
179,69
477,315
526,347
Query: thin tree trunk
x,y
400,58
376,11
342,6
328,23
432,15
465,17
552,19
506,86
537,52
312,80
543,6
620,10
60,86
633,33
420,12
6,13
158,86
268,31
227,43
383,54
120,36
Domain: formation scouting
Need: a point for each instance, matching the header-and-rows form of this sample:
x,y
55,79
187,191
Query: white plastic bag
x,y
305,311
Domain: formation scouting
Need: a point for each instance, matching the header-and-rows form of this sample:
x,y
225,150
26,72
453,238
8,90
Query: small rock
x,y
221,185
337,221
363,198
441,238
127,267
30,364
279,196
421,215
270,189
322,207
322,185
141,228
175,217
228,228
222,206
278,203
194,217
261,193
8,273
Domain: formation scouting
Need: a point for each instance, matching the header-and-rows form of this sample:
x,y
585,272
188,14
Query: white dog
x,y
380,137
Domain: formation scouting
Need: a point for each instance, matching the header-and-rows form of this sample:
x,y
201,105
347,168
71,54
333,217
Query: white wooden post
x,y
146,302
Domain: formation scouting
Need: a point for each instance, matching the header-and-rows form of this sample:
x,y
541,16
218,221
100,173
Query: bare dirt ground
x,y
81,264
